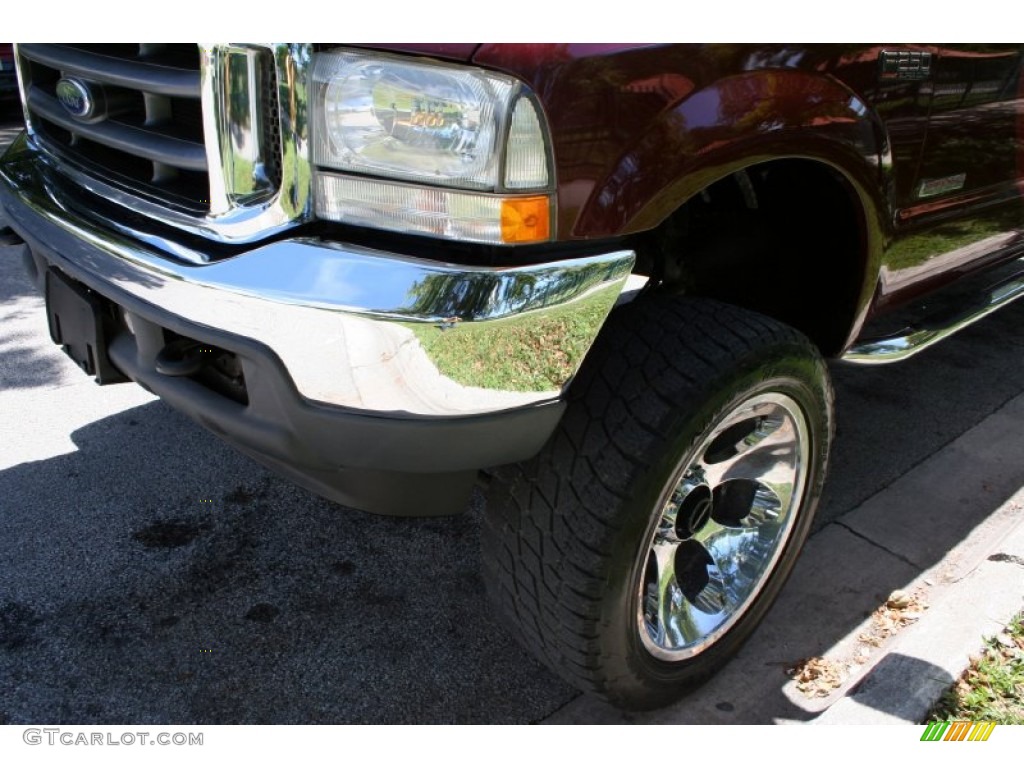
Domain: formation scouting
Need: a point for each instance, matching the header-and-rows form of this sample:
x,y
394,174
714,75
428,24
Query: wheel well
x,y
784,238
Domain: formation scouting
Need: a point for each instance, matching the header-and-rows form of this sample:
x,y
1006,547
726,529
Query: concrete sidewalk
x,y
949,534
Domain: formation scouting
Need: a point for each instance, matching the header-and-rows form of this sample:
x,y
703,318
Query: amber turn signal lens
x,y
525,219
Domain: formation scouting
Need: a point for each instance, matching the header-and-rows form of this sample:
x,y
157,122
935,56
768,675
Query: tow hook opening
x,y
182,357
213,367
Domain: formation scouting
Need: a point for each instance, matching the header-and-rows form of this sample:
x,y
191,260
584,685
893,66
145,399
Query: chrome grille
x,y
211,139
147,135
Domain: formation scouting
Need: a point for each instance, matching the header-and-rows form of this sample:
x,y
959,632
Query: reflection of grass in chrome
x,y
243,172
532,352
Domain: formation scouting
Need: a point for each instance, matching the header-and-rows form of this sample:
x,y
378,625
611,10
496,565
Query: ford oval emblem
x,y
75,97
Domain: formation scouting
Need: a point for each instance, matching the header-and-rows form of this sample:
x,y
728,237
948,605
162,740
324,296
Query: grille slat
x,y
141,142
146,76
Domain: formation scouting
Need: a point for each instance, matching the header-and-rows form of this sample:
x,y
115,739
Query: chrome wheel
x,y
721,525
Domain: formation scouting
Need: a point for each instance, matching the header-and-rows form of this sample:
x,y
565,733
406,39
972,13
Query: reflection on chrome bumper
x,y
354,327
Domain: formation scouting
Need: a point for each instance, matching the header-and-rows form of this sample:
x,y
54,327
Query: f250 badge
x,y
75,97
905,65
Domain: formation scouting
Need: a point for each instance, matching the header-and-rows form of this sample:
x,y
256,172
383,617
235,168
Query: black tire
x,y
570,537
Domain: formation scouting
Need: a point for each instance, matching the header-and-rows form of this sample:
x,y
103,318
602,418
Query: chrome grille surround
x,y
248,139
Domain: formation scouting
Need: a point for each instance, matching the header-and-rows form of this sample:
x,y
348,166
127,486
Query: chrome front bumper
x,y
358,328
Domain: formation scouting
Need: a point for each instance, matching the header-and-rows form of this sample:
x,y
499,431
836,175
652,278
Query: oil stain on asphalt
x,y
168,534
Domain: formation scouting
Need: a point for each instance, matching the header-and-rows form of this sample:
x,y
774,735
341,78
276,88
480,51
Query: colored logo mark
x,y
959,730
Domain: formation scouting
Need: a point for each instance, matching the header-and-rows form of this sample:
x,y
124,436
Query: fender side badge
x,y
905,65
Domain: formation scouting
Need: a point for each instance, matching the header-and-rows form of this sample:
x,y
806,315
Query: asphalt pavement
x,y
152,574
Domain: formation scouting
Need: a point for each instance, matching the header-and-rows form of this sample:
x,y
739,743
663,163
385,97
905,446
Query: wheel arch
x,y
801,118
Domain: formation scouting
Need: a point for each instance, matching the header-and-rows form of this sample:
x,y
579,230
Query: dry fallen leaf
x,y
817,676
898,600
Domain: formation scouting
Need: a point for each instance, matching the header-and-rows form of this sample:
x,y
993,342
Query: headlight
x,y
466,145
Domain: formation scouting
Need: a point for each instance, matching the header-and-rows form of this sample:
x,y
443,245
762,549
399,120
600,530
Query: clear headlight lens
x,y
420,122
430,125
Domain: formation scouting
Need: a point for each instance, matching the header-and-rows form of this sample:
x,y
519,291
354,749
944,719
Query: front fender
x,y
733,123
736,123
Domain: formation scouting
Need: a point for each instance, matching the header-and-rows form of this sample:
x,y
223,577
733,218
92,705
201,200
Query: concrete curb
x,y
977,597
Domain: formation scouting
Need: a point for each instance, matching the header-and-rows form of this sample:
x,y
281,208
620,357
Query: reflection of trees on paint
x,y
602,100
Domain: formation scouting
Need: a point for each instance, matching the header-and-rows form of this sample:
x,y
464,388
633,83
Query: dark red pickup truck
x,y
603,279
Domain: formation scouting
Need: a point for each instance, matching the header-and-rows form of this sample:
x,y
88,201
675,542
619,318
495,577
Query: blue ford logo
x,y
75,97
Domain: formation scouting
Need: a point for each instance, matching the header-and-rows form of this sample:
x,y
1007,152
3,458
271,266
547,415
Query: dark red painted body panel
x,y
638,130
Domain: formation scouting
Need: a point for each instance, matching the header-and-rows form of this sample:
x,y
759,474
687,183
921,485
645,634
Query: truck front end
x,y
343,262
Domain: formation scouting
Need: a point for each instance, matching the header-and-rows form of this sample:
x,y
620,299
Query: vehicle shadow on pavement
x,y
154,575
